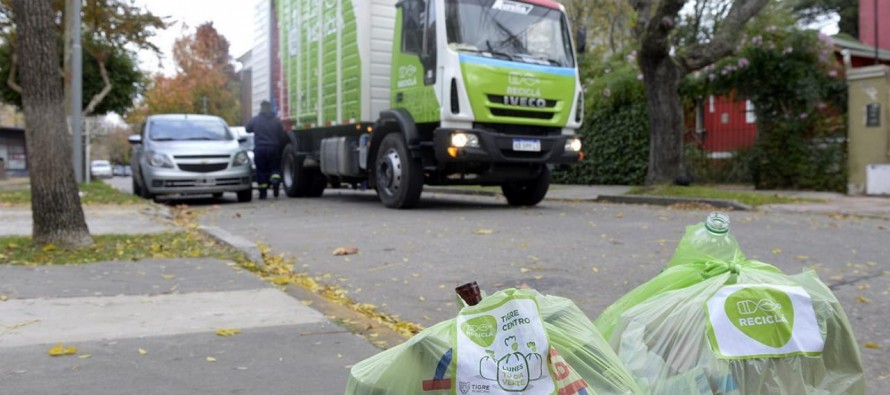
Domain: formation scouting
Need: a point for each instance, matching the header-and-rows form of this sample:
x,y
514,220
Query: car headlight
x,y
241,159
461,140
573,145
157,159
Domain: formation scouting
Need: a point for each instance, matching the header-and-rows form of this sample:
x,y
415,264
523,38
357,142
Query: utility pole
x,y
76,91
204,101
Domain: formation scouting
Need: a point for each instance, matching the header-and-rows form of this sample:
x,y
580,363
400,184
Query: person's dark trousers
x,y
268,164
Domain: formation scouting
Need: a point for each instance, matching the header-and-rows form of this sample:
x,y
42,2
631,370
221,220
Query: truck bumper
x,y
499,148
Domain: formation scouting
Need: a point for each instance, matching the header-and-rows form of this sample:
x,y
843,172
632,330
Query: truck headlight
x,y
241,159
461,140
573,145
157,159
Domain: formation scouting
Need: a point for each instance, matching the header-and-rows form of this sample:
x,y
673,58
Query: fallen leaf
x,y
421,299
863,287
862,299
538,277
596,269
801,257
339,355
59,350
4,298
345,251
49,247
84,356
484,231
777,251
211,359
237,215
228,331
142,351
872,345
168,276
524,270
619,215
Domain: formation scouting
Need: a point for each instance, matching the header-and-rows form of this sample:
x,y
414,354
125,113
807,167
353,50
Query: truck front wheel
x,y
292,173
399,177
527,193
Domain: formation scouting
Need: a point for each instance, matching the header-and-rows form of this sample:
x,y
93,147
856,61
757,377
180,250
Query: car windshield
x,y
510,30
188,129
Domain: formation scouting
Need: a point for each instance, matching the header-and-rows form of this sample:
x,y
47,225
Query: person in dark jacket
x,y
269,138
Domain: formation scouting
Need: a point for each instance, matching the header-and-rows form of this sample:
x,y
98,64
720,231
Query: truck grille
x,y
500,112
202,168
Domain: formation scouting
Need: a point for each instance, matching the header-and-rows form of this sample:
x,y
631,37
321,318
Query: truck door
x,y
414,60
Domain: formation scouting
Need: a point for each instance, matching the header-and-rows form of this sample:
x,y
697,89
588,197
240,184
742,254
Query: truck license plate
x,y
531,145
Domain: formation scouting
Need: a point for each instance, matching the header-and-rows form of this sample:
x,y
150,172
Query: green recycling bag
x,y
754,332
515,341
714,322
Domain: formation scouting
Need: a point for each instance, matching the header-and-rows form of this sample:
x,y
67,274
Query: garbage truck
x,y
395,95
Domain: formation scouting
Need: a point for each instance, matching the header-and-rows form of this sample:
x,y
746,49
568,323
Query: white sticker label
x,y
502,351
755,321
512,6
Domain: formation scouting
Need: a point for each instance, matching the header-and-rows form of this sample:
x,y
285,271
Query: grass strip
x,y
95,192
704,192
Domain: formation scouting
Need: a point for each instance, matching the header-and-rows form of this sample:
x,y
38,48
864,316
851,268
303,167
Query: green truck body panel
x,y
408,90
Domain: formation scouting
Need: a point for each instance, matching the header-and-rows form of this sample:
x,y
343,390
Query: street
x,y
409,261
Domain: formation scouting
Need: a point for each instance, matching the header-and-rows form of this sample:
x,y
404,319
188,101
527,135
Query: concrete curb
x,y
237,242
668,201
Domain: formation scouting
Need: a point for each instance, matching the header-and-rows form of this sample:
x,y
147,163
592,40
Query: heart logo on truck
x,y
481,330
763,314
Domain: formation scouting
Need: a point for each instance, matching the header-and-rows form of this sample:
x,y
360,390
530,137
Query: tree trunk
x,y
662,79
55,204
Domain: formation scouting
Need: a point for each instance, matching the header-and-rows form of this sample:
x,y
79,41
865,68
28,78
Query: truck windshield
x,y
188,129
511,30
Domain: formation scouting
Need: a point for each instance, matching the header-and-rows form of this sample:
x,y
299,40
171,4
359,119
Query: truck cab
x,y
482,92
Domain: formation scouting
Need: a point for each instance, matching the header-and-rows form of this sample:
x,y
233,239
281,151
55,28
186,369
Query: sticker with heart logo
x,y
763,321
481,330
764,314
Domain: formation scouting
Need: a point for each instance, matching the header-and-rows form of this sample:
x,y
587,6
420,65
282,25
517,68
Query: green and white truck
x,y
396,95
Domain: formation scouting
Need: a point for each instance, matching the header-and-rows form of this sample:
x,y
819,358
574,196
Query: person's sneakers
x,y
262,194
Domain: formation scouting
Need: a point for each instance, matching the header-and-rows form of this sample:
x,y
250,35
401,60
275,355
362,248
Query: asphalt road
x,y
409,261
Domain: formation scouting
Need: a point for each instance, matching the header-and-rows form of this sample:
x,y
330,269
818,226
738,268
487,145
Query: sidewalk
x,y
150,326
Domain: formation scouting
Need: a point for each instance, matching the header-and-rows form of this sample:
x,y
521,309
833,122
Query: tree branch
x,y
10,82
97,98
725,40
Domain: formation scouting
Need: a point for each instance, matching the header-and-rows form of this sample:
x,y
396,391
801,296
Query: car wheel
x,y
144,192
136,189
399,176
245,195
530,192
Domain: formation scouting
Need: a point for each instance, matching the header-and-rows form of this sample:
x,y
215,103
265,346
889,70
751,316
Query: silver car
x,y
189,154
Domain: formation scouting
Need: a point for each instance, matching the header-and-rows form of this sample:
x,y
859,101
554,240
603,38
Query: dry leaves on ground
x,y
345,251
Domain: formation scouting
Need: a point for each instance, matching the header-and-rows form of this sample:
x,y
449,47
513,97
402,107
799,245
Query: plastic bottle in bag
x,y
708,240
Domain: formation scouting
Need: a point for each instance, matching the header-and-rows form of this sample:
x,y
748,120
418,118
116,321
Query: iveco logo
x,y
524,101
527,79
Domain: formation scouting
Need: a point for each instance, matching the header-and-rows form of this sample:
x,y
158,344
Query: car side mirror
x,y
242,140
135,139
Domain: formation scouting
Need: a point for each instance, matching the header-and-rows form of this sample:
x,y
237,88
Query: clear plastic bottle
x,y
707,240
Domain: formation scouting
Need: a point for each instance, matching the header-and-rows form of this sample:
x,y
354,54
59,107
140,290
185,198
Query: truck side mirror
x,y
581,39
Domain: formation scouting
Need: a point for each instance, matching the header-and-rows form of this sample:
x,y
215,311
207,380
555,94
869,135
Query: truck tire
x,y
399,176
527,193
317,182
292,178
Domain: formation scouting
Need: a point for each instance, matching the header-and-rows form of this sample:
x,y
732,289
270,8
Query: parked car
x,y
189,154
100,169
246,140
117,170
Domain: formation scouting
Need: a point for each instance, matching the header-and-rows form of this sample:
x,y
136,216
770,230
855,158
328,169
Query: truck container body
x,y
482,92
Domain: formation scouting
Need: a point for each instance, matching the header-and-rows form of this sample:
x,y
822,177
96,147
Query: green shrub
x,y
615,132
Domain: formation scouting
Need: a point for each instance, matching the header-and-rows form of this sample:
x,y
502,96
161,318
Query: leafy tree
x,y
800,115
663,65
57,214
607,22
111,28
814,10
205,81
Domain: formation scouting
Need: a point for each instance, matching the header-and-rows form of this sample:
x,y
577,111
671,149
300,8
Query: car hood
x,y
176,148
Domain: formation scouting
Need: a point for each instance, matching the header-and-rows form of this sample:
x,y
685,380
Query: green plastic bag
x,y
708,325
516,341
671,342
